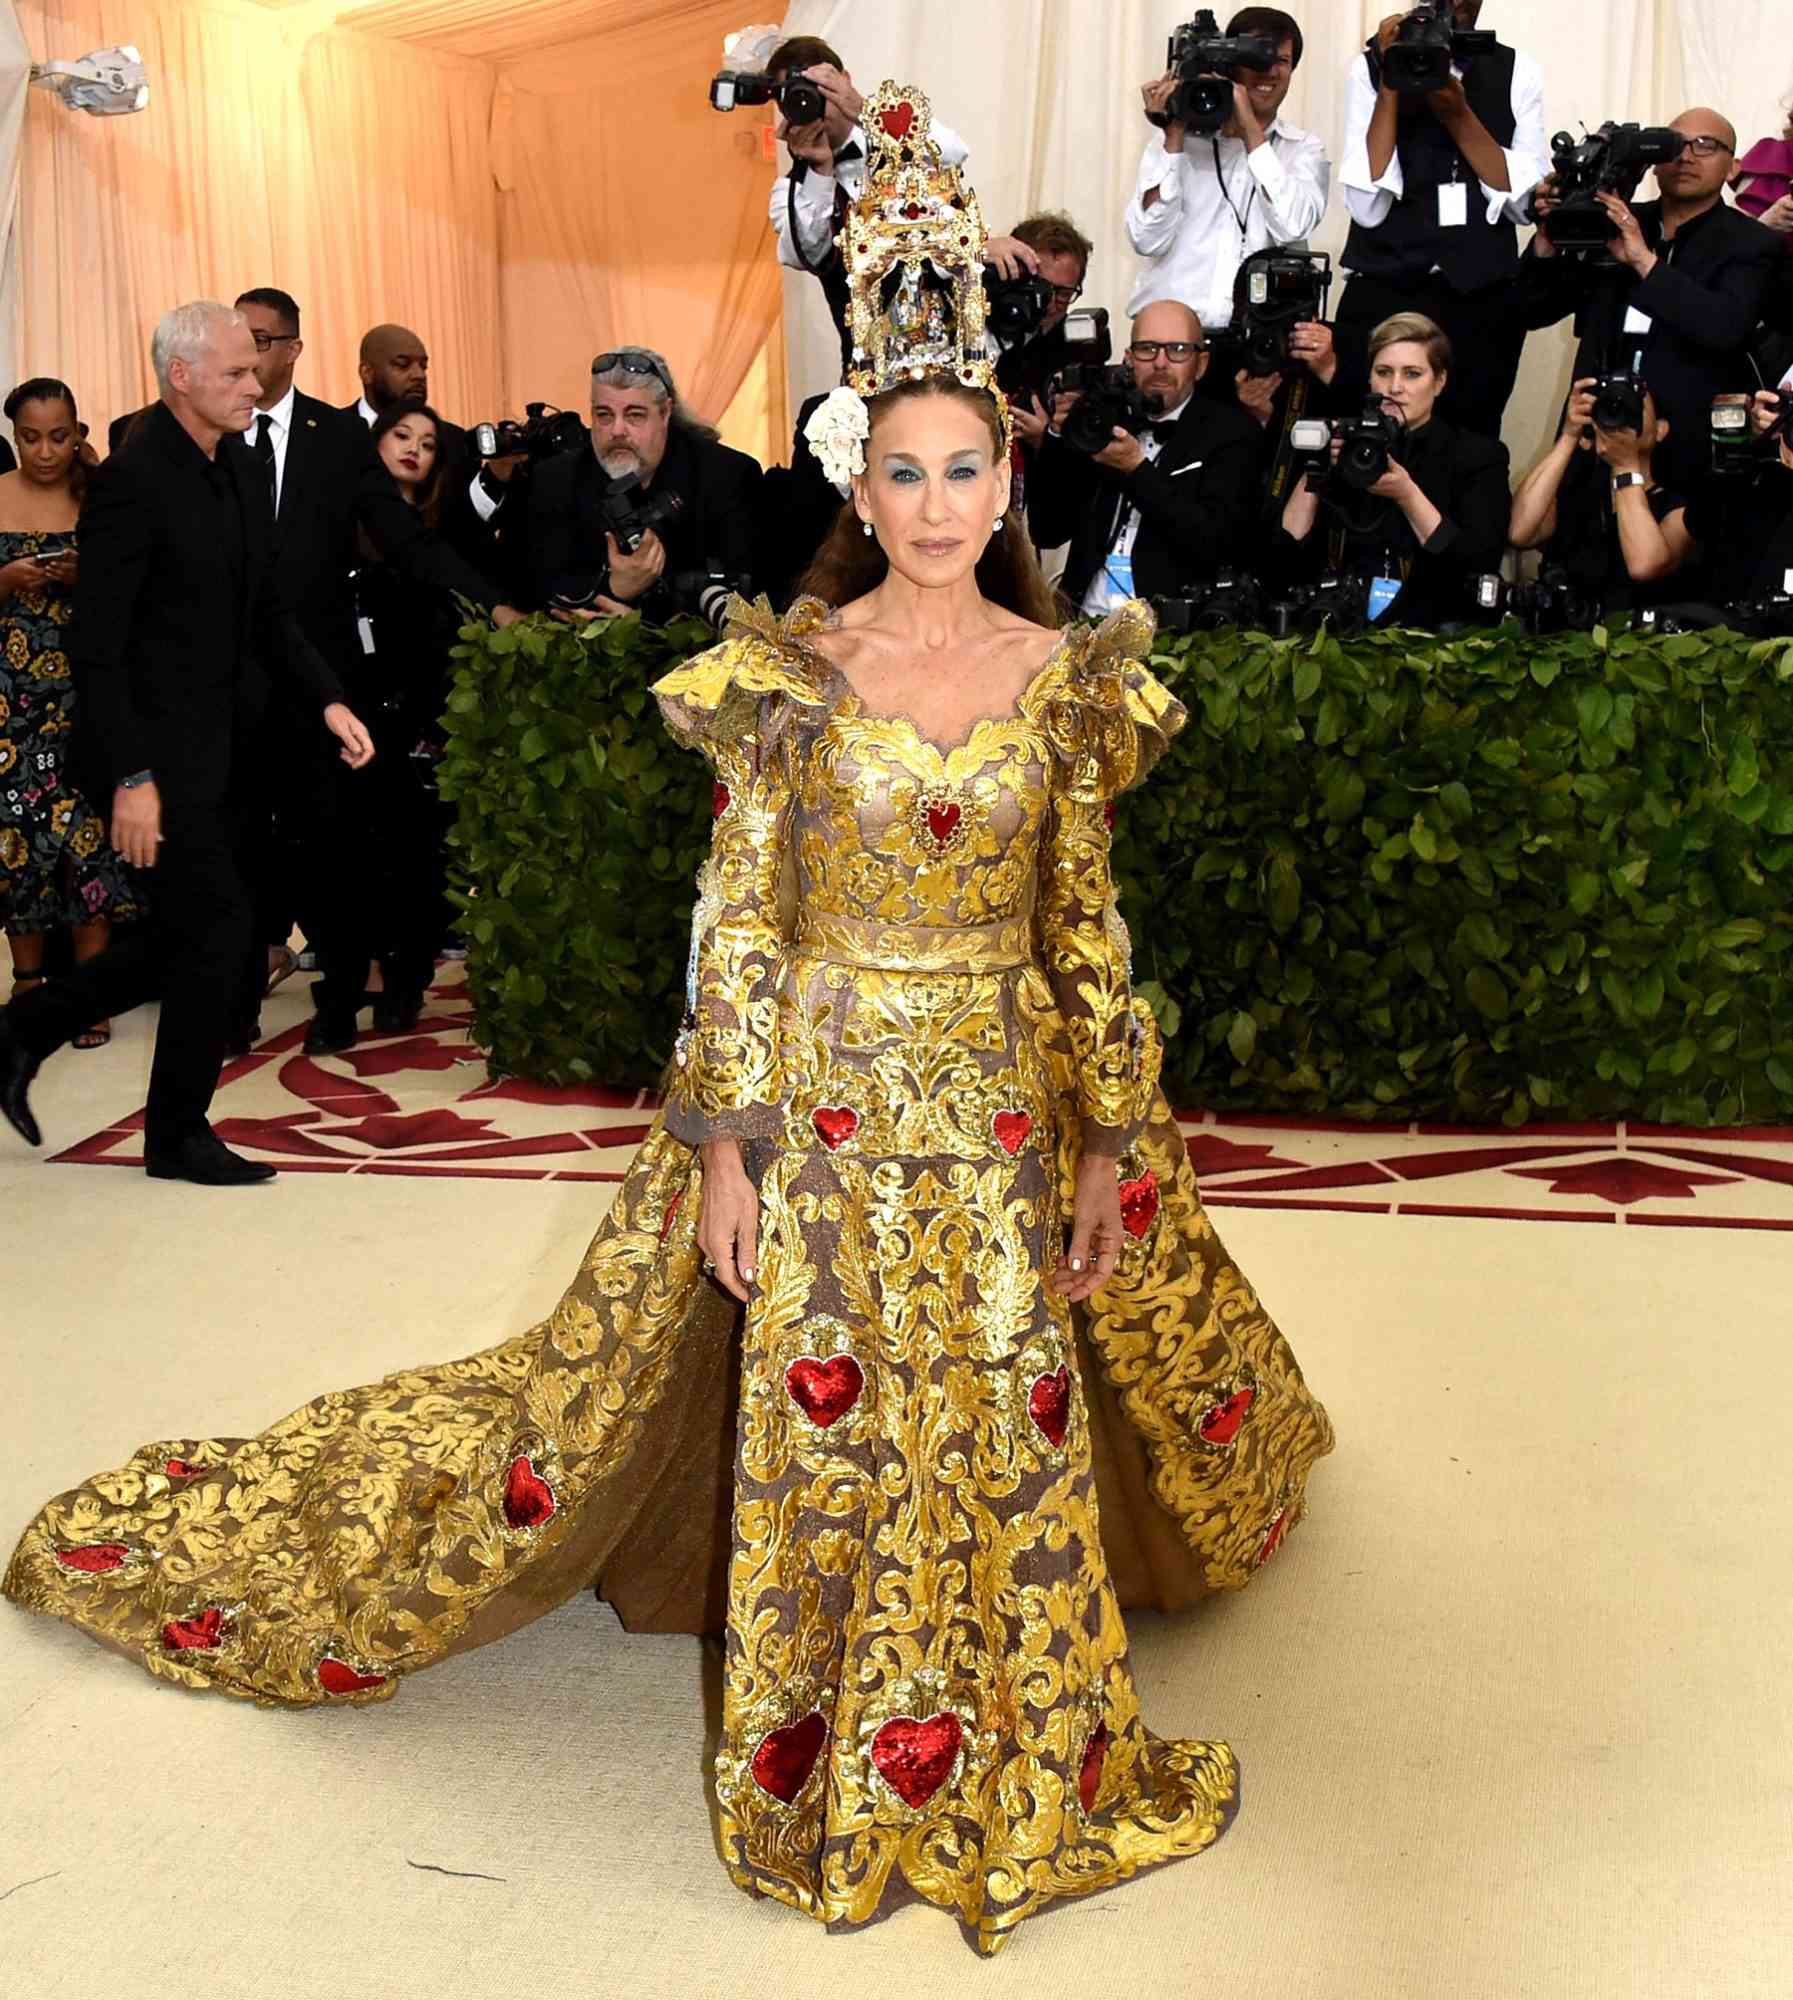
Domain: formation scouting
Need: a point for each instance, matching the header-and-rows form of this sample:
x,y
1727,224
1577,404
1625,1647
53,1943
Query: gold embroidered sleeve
x,y
732,703
1110,721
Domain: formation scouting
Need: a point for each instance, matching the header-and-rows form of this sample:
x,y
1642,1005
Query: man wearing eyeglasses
x,y
1149,514
1201,206
1679,301
649,457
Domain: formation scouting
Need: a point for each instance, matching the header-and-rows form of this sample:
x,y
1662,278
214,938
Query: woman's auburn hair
x,y
850,562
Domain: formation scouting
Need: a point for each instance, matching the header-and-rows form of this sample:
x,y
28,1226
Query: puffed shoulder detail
x,y
1108,716
758,681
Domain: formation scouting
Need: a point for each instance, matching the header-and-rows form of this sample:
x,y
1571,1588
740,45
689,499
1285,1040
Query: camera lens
x,y
801,102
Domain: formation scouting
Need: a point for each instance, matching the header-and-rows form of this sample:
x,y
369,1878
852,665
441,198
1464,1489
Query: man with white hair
x,y
177,617
658,517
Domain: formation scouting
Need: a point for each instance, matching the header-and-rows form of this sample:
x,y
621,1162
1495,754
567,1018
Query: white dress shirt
x,y
1191,239
1369,198
1107,592
815,196
280,428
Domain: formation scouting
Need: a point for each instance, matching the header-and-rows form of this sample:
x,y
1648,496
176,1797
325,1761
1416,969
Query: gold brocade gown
x,y
910,1001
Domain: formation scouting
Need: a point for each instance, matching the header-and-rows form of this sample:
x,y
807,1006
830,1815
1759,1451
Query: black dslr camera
x,y
705,592
1369,444
1231,600
1335,600
1554,603
1110,399
1733,441
1016,308
1426,44
1203,60
1619,400
800,100
1274,292
1610,161
545,432
630,511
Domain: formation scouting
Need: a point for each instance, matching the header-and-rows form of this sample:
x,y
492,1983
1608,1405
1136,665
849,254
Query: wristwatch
x,y
136,778
1620,480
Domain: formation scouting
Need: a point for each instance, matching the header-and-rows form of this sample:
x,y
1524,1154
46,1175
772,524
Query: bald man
x,y
1680,299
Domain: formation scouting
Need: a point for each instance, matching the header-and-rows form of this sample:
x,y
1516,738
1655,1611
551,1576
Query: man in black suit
x,y
326,482
640,433
177,617
1148,515
1680,299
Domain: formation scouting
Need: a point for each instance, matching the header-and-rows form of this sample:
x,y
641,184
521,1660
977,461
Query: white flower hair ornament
x,y
837,431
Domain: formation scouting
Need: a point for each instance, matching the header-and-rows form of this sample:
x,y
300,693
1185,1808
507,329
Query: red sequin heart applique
x,y
96,1558
835,1124
943,821
1089,1778
180,1468
719,799
785,1758
1221,1423
338,1677
528,1498
1139,1203
1108,814
1012,1129
672,1209
1049,1404
915,1758
897,120
203,1634
825,1390
1273,1536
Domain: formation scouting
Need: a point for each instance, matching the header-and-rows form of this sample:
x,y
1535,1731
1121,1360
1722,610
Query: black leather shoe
x,y
206,1160
397,1013
17,1068
330,1038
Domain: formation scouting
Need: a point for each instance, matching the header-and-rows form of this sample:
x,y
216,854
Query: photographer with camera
x,y
1743,525
1407,505
1672,287
658,517
1444,141
818,122
1149,482
1594,505
1238,179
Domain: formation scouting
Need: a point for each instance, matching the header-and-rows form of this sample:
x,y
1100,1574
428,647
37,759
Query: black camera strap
x,y
1226,192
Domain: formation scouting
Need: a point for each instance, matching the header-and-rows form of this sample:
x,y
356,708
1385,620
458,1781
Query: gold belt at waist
x,y
940,948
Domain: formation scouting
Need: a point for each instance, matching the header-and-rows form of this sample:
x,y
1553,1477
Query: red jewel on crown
x,y
897,119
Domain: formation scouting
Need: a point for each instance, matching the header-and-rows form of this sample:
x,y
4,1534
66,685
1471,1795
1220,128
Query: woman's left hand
x,y
1095,1246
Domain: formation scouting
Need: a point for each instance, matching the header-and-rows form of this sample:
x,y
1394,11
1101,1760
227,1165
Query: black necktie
x,y
263,448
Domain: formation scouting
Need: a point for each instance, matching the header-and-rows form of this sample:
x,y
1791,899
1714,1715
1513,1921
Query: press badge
x,y
1383,592
1120,573
365,627
1453,205
1636,322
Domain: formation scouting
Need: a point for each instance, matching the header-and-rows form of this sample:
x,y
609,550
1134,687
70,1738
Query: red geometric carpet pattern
x,y
422,1103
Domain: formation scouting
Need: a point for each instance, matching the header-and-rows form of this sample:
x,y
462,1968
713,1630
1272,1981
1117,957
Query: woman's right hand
x,y
25,573
728,1229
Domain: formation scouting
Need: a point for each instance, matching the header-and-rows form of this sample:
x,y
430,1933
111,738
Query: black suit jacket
x,y
715,528
1194,501
1703,300
173,638
120,427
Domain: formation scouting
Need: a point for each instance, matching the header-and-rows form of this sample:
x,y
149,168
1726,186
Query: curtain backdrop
x,y
1046,94
521,210
15,87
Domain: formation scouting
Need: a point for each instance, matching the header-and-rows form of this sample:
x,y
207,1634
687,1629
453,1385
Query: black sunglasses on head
x,y
633,362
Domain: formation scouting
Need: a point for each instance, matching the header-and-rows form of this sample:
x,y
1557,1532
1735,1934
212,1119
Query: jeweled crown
x,y
914,249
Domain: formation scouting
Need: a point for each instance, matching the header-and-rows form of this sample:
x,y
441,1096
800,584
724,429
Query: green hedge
x,y
1379,877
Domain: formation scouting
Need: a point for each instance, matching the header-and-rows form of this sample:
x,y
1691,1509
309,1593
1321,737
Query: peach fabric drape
x,y
639,214
351,172
520,207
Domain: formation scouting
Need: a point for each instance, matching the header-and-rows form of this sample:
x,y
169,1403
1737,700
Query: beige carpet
x,y
1513,1706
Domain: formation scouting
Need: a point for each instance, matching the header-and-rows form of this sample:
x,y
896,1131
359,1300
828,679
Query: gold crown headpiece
x,y
914,251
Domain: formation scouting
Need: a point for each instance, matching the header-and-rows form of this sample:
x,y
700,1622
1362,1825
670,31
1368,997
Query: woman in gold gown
x,y
917,1477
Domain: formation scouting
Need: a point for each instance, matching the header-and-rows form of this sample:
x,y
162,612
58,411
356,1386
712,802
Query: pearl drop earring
x,y
999,521
868,529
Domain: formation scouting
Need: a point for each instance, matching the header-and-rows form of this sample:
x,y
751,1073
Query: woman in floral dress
x,y
55,866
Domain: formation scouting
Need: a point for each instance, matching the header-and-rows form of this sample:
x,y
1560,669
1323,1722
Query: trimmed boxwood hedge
x,y
1378,877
